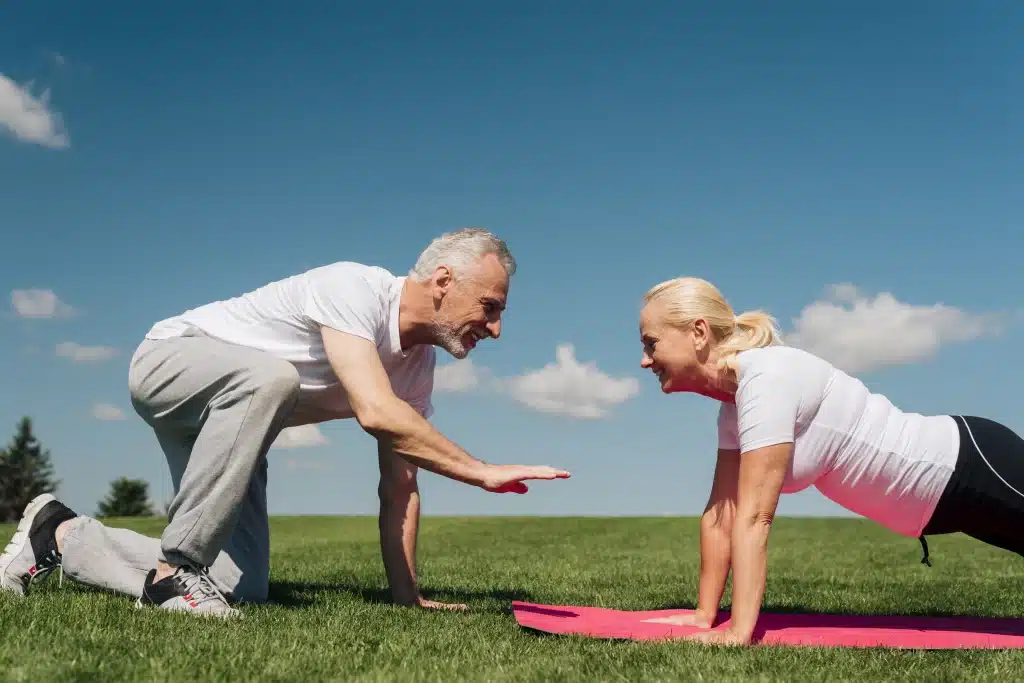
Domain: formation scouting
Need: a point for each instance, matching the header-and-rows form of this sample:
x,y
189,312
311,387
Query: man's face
x,y
468,306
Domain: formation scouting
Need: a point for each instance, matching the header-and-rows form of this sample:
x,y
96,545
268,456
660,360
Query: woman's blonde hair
x,y
687,299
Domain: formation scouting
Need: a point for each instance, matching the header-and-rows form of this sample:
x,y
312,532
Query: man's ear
x,y
443,277
442,282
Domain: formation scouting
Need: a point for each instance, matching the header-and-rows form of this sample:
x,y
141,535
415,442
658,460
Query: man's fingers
x,y
454,607
546,473
510,479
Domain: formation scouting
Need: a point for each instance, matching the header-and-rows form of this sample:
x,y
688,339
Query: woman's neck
x,y
720,382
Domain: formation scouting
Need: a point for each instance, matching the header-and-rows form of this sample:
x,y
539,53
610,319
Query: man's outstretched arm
x,y
393,421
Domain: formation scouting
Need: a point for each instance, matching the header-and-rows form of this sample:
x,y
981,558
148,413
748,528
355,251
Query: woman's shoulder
x,y
785,369
778,356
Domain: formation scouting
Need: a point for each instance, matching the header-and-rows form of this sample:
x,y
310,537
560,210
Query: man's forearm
x,y
715,556
411,436
749,569
399,524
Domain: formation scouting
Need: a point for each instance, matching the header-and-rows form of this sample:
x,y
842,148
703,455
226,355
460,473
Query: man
x,y
218,383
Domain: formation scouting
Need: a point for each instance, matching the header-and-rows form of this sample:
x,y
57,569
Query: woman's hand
x,y
724,637
697,618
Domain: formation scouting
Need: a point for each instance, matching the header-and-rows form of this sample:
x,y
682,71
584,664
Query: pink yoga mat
x,y
823,630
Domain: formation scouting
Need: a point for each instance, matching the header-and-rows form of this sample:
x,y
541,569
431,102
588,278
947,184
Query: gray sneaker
x,y
188,589
32,555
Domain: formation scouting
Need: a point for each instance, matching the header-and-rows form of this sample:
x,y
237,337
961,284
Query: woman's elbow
x,y
758,520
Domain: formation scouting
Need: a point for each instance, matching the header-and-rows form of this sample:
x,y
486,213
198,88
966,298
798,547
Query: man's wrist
x,y
477,474
405,596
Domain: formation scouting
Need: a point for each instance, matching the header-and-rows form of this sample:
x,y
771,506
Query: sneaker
x,y
32,554
188,589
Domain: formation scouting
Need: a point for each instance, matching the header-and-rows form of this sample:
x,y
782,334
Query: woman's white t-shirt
x,y
853,445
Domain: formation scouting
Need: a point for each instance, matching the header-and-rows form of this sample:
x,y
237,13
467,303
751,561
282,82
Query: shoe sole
x,y
24,526
140,605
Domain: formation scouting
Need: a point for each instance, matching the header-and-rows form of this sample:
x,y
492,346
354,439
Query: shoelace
x,y
199,585
46,564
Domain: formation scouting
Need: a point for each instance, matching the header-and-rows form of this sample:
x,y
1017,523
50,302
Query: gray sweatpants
x,y
216,408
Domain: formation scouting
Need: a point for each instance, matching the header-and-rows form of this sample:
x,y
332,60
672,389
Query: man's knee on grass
x,y
250,592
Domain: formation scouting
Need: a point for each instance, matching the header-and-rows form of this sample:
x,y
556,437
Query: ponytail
x,y
753,330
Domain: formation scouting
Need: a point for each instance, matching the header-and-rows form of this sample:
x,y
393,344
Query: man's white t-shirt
x,y
283,318
853,445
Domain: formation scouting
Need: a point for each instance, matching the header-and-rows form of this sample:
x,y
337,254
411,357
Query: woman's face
x,y
669,352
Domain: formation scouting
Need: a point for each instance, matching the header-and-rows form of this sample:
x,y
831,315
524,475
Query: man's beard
x,y
449,338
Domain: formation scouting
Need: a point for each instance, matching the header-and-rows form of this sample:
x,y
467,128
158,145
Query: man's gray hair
x,y
461,250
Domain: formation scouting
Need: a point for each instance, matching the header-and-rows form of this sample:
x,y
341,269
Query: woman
x,y
790,420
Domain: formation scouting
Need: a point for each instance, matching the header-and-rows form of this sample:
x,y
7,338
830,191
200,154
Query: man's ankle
x,y
163,570
59,533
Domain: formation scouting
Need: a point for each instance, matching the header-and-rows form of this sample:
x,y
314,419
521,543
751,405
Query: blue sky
x,y
183,154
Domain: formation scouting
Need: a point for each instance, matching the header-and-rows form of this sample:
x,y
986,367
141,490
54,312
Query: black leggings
x,y
985,495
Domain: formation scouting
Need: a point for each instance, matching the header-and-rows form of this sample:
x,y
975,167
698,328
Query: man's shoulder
x,y
341,270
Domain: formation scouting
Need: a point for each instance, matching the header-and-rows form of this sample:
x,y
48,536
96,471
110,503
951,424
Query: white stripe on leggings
x,y
978,448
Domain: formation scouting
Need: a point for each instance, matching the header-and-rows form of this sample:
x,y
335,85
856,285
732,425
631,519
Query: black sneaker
x,y
32,554
188,589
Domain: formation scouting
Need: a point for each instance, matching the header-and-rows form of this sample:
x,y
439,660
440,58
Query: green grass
x,y
331,620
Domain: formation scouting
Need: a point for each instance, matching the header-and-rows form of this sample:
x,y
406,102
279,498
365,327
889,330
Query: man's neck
x,y
415,311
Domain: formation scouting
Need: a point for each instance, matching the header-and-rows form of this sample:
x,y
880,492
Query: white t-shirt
x,y
854,446
284,318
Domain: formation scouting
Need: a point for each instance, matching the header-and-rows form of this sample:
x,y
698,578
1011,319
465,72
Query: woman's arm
x,y
715,543
761,474
716,526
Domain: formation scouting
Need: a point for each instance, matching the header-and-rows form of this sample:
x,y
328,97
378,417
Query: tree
x,y
25,472
127,498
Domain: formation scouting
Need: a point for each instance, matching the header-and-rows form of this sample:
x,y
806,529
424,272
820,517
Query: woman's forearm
x,y
749,569
715,551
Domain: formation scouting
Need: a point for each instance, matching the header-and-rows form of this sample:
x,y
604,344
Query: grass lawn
x,y
330,619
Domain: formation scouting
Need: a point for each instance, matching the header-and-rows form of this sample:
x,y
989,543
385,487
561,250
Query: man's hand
x,y
433,604
509,478
380,413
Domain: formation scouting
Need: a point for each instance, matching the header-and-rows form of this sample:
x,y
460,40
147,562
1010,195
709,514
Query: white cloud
x,y
860,333
85,354
565,387
38,303
107,412
302,436
570,388
458,376
29,118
